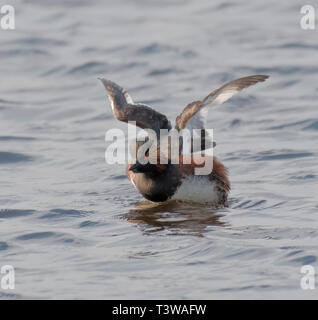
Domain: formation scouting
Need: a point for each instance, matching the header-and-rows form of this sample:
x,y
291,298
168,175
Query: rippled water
x,y
74,227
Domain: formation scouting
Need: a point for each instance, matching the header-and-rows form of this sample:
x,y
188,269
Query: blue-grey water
x,y
73,226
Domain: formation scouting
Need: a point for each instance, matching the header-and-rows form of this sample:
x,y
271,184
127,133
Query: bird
x,y
176,180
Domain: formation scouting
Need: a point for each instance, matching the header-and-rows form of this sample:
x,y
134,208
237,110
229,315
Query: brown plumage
x,y
155,183
219,172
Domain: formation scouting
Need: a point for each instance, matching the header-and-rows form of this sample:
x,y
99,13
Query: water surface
x,y
74,227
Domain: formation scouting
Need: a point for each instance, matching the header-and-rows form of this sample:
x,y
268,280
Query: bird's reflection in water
x,y
176,217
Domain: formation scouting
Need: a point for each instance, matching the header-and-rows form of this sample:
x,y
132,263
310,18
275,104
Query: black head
x,y
147,168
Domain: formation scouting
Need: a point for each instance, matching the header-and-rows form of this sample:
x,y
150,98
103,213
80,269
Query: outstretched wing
x,y
194,115
124,109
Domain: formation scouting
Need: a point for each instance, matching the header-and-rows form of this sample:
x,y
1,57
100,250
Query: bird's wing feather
x,y
194,115
124,109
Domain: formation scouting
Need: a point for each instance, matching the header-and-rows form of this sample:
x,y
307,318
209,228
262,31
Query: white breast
x,y
197,189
